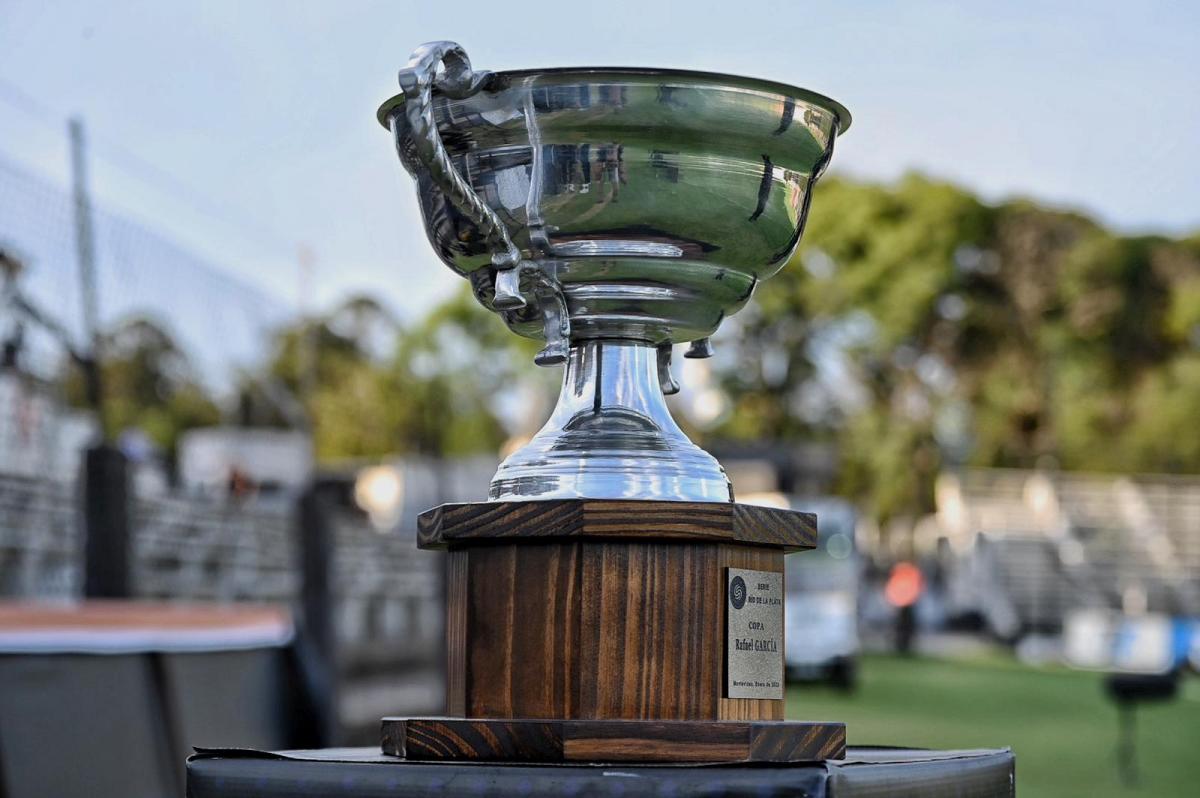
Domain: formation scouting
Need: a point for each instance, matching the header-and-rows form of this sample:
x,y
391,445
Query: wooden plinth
x,y
586,609
606,519
550,741
594,630
597,614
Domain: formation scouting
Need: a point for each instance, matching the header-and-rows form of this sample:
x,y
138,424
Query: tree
x,y
371,388
149,384
917,326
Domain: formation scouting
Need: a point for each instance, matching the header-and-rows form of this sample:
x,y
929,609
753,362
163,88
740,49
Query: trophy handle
x,y
420,147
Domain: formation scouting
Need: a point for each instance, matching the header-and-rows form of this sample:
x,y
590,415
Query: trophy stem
x,y
611,436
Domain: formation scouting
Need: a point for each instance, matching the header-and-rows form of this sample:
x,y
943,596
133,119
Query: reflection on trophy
x,y
611,602
611,213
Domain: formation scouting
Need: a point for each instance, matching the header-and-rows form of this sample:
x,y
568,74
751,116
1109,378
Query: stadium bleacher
x,y
1032,546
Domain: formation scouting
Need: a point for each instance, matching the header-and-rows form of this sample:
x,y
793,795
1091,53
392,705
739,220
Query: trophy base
x,y
598,630
649,741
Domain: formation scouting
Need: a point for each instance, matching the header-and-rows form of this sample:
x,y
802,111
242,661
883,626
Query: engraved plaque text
x,y
753,634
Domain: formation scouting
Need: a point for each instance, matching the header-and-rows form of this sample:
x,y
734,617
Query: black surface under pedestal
x,y
363,773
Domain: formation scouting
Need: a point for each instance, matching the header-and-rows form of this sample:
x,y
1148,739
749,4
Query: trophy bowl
x,y
611,213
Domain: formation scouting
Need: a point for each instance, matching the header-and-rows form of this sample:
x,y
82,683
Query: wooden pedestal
x,y
596,629
612,740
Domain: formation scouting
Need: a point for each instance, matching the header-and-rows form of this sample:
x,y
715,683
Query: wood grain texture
x,y
595,630
481,740
458,524
537,740
651,632
457,591
522,641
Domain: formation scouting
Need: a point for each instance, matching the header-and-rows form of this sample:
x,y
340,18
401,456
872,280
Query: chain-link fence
x,y
221,322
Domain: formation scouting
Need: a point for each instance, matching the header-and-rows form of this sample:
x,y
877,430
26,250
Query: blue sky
x,y
265,109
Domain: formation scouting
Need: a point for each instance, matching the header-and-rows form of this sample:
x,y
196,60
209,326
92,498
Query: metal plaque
x,y
753,634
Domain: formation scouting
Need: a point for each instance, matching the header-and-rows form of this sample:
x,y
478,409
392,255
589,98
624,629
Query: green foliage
x,y
915,327
365,387
148,384
908,303
428,391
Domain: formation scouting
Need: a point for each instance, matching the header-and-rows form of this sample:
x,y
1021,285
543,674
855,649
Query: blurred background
x,y
233,372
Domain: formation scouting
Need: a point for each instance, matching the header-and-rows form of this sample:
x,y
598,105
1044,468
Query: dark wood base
x,y
549,741
608,618
583,609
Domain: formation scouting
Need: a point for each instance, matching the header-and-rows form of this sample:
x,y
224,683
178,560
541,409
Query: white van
x,y
821,640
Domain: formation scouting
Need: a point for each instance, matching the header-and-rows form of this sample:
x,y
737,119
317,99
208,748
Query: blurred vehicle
x,y
821,640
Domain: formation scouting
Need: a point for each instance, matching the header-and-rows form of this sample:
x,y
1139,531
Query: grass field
x,y
1058,722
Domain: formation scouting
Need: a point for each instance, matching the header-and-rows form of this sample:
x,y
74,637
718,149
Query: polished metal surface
x,y
611,436
607,204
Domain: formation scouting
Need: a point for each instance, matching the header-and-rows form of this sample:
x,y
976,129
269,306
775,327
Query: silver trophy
x,y
611,213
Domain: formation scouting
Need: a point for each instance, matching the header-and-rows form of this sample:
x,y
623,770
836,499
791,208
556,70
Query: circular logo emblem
x,y
737,593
